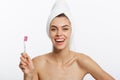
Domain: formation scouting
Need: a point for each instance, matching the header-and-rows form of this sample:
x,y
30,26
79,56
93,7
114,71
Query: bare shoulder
x,y
84,60
81,57
40,60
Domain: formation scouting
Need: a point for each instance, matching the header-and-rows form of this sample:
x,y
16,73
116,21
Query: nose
x,y
59,33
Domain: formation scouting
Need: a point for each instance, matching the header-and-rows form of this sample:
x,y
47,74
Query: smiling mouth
x,y
59,41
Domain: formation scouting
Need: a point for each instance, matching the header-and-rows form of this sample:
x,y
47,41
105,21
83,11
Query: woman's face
x,y
60,31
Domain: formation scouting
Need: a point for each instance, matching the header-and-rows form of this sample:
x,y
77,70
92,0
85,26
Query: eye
x,y
65,29
53,29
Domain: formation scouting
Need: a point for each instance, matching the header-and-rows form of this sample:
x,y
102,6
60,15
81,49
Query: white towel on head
x,y
59,7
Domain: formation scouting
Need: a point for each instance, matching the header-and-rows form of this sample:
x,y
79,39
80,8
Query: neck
x,y
61,56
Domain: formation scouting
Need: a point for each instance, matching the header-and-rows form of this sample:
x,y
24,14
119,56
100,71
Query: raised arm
x,y
27,67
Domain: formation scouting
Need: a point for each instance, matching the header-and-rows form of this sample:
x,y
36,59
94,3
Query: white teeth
x,y
59,39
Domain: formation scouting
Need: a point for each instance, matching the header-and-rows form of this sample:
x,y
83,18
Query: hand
x,y
26,65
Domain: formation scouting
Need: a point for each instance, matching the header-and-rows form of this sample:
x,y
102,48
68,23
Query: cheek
x,y
68,34
52,35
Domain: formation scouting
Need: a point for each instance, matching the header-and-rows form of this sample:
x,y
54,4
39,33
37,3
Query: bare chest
x,y
66,72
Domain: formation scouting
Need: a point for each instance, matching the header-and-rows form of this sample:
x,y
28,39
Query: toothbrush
x,y
25,40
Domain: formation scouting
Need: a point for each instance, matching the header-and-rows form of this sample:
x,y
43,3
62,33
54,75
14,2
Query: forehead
x,y
60,21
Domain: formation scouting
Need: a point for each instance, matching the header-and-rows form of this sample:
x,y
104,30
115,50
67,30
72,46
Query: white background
x,y
97,24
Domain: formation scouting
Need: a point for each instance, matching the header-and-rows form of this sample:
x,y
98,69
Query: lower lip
x,y
60,43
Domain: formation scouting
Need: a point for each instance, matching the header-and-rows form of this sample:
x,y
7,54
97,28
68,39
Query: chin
x,y
59,47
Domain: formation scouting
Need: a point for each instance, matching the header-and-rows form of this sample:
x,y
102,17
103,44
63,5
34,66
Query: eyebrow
x,y
61,26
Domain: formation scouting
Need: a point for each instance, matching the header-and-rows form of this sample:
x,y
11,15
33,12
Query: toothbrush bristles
x,y
25,38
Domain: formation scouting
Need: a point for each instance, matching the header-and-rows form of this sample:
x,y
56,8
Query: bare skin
x,y
61,63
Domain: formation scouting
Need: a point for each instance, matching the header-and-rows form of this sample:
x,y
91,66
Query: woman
x,y
61,63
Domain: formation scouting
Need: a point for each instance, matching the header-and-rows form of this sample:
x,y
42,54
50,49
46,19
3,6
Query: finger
x,y
22,66
23,63
24,54
24,60
28,58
